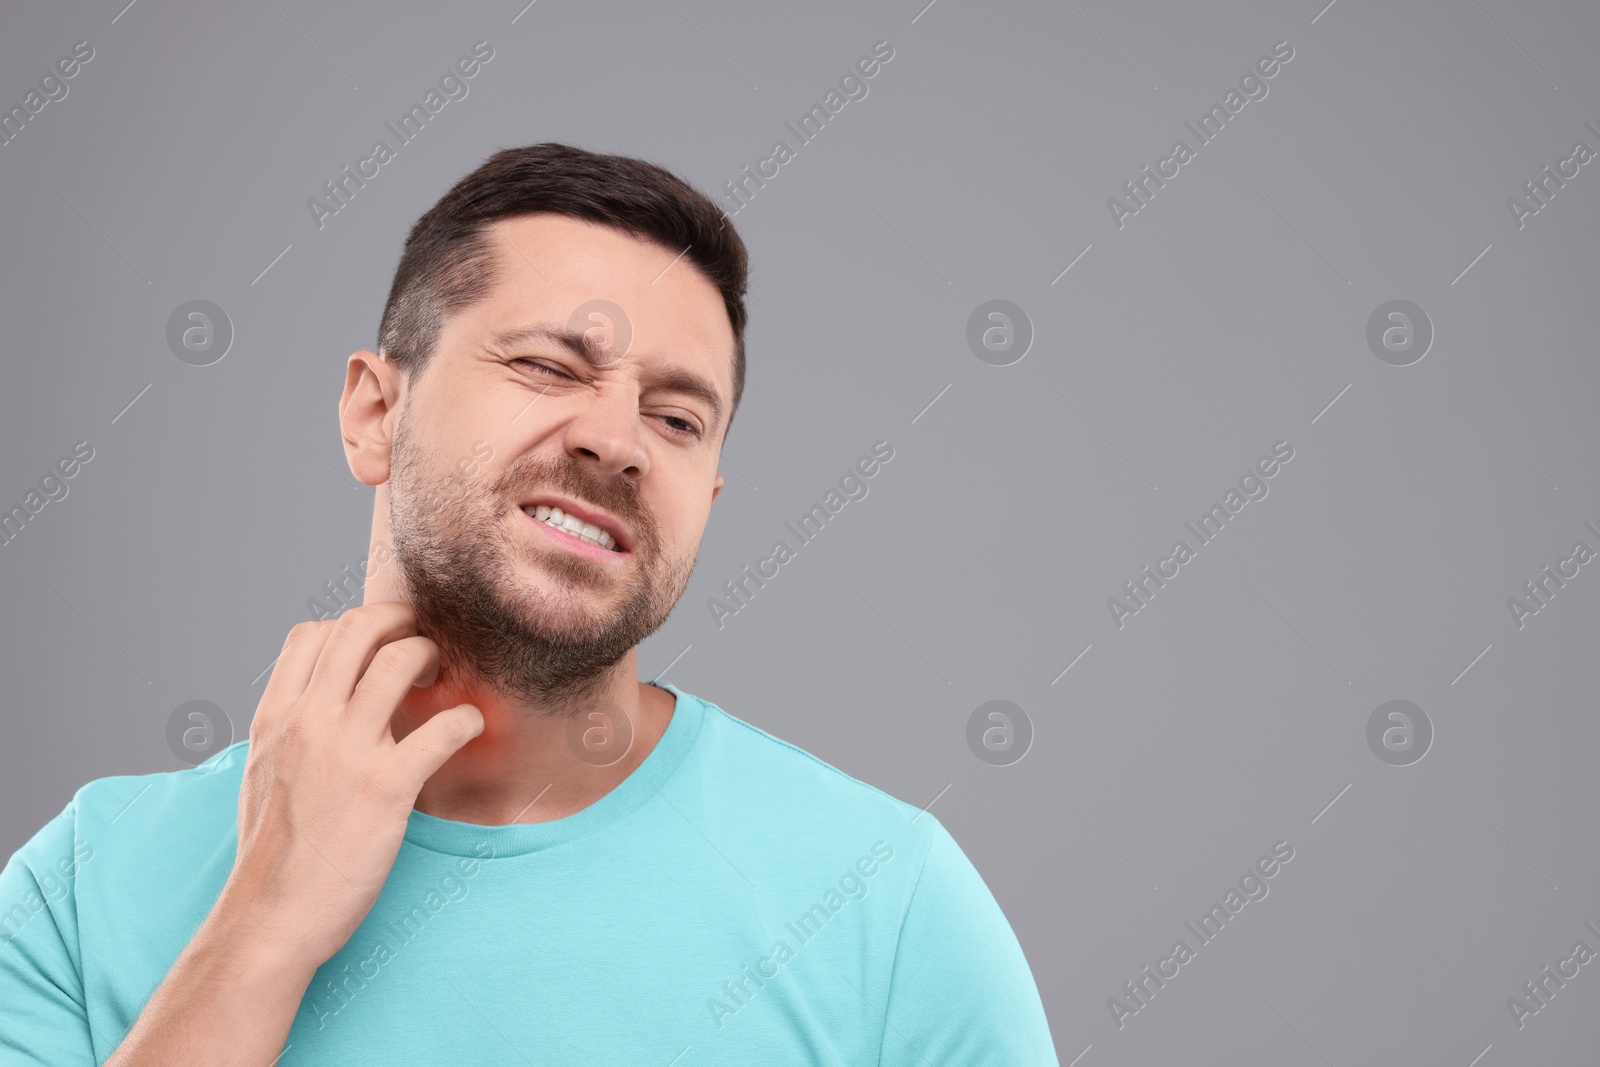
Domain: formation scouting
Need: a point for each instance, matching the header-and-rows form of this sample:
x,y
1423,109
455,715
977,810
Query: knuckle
x,y
301,632
452,731
386,664
289,733
354,623
401,659
461,729
378,612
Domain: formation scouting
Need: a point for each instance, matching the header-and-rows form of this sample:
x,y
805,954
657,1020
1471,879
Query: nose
x,y
605,432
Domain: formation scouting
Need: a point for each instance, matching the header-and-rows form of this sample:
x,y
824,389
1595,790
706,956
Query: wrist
x,y
250,942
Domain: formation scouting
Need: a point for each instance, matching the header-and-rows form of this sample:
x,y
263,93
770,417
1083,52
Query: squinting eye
x,y
679,427
542,366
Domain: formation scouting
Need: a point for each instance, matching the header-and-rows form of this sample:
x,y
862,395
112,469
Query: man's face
x,y
505,420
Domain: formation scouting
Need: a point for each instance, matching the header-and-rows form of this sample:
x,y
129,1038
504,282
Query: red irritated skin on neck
x,y
649,423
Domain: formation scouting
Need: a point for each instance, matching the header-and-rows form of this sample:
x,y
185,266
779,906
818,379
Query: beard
x,y
552,640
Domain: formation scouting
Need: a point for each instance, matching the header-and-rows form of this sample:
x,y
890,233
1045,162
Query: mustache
x,y
618,496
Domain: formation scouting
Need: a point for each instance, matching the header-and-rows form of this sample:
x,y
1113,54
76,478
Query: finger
x,y
424,750
355,639
291,671
395,669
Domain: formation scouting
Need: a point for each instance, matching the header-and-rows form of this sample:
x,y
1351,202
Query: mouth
x,y
580,527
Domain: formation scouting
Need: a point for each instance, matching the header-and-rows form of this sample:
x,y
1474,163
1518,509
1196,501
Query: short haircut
x,y
449,264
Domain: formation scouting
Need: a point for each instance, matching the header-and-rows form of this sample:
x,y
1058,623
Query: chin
x,y
557,607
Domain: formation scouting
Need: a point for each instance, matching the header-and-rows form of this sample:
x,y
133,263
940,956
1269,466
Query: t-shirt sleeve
x,y
43,1021
960,990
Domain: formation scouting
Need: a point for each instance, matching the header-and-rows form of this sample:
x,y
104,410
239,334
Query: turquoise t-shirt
x,y
734,900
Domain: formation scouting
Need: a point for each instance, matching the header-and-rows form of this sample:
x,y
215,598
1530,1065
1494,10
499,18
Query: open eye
x,y
688,429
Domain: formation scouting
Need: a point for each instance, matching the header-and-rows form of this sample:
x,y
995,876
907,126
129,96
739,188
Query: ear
x,y
368,410
716,488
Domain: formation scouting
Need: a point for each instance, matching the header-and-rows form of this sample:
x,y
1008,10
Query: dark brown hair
x,y
448,262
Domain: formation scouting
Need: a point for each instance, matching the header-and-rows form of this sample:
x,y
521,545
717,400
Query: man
x,y
462,830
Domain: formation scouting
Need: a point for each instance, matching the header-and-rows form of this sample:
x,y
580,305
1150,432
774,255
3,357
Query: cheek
x,y
681,519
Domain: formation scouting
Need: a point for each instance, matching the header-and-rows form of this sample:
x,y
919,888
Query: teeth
x,y
571,524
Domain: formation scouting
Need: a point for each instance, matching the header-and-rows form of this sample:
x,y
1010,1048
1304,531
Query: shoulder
x,y
142,817
749,755
125,841
800,800
124,803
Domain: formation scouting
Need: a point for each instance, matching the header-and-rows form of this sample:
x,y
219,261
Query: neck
x,y
537,761
533,762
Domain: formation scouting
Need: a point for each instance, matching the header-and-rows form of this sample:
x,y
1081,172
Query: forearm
x,y
322,748
230,998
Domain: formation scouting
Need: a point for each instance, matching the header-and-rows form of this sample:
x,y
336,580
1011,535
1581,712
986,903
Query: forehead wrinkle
x,y
574,342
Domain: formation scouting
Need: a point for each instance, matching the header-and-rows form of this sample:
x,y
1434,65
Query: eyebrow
x,y
672,379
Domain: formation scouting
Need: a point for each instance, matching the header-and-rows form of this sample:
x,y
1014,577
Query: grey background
x,y
1226,316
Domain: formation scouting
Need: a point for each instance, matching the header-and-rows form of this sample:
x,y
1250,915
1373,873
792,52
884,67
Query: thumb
x,y
424,750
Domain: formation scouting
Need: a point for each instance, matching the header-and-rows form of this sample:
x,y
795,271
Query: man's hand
x,y
323,806
327,790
